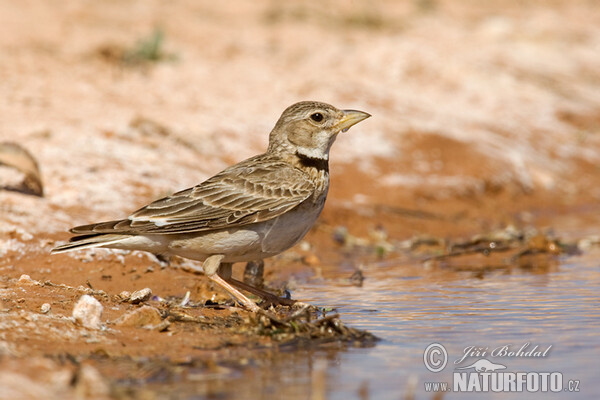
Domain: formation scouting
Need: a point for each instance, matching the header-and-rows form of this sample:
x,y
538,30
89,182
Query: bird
x,y
250,211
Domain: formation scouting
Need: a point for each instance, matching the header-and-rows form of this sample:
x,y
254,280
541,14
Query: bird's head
x,y
309,128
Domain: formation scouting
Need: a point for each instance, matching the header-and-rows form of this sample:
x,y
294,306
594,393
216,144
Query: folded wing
x,y
246,193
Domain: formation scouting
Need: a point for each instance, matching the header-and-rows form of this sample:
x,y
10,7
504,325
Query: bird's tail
x,y
89,241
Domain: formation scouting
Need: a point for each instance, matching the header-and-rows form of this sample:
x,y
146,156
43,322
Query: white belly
x,y
251,242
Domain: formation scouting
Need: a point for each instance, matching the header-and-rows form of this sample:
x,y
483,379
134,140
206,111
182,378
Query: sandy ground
x,y
485,114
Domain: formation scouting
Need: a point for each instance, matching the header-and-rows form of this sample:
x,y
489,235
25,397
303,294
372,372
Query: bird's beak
x,y
350,118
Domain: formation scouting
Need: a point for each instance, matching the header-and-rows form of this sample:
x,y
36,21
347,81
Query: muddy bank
x,y
184,334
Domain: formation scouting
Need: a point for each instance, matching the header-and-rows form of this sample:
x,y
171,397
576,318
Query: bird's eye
x,y
317,117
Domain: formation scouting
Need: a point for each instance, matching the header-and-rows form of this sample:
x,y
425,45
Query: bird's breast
x,y
320,179
288,229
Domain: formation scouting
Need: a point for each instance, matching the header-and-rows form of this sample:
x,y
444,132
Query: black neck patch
x,y
318,163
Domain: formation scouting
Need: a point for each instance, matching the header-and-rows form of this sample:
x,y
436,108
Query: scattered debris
x,y
140,295
186,299
377,242
379,237
81,289
505,248
178,315
501,248
124,295
357,278
301,327
136,297
87,312
588,242
144,317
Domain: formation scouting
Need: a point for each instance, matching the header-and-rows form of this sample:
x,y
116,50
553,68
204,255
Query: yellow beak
x,y
350,118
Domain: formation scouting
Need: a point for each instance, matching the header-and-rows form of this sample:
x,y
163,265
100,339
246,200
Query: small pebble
x,y
45,308
186,299
311,260
87,312
140,295
144,317
26,280
305,246
340,234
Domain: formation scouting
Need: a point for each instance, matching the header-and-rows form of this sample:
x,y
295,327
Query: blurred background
x,y
486,117
494,100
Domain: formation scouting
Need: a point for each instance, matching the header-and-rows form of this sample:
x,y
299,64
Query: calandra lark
x,y
252,210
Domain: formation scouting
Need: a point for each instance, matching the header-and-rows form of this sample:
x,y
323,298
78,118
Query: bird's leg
x,y
270,298
239,296
225,270
254,273
211,266
163,259
223,275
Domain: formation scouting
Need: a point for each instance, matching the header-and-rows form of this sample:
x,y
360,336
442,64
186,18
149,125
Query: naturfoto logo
x,y
475,372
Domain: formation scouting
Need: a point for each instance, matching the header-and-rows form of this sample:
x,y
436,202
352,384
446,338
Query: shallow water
x,y
410,308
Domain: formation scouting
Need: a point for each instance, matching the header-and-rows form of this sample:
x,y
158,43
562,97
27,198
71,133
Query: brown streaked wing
x,y
252,191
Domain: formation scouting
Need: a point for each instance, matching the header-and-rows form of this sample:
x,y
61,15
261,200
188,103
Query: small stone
x,y
144,317
125,295
87,312
45,308
357,278
340,234
26,280
305,246
140,295
311,260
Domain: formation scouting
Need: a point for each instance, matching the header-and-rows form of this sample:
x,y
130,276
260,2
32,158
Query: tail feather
x,y
89,241
101,227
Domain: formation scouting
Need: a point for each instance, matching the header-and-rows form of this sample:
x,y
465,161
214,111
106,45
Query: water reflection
x,y
559,307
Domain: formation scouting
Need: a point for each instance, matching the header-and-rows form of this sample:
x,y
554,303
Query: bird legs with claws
x,y
220,273
269,298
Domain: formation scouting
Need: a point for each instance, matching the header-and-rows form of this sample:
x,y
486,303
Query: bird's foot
x,y
236,294
269,299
